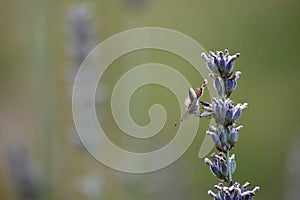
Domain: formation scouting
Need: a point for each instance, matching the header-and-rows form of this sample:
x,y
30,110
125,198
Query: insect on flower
x,y
192,102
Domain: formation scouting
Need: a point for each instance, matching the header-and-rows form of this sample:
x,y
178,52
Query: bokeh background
x,y
42,43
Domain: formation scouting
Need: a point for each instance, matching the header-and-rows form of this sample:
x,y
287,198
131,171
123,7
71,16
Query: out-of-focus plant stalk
x,y
43,83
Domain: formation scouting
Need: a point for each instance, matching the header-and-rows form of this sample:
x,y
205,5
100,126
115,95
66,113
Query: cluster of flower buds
x,y
223,111
224,139
234,192
219,167
221,67
219,64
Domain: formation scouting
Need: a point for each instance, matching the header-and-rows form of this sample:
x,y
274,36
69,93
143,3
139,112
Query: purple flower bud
x,y
223,140
210,63
215,58
224,169
222,60
238,110
232,163
229,114
230,83
218,86
230,63
233,137
229,67
224,107
237,114
227,195
215,138
214,168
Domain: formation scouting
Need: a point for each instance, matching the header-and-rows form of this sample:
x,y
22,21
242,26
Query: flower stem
x,y
229,168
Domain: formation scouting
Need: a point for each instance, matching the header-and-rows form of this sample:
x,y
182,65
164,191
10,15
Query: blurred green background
x,y
40,155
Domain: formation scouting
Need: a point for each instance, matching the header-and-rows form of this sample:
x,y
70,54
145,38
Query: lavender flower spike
x,y
226,132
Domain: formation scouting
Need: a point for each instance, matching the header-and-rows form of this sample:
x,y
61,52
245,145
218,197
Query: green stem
x,y
44,93
227,159
227,134
229,168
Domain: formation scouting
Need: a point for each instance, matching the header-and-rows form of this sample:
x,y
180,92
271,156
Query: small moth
x,y
192,102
